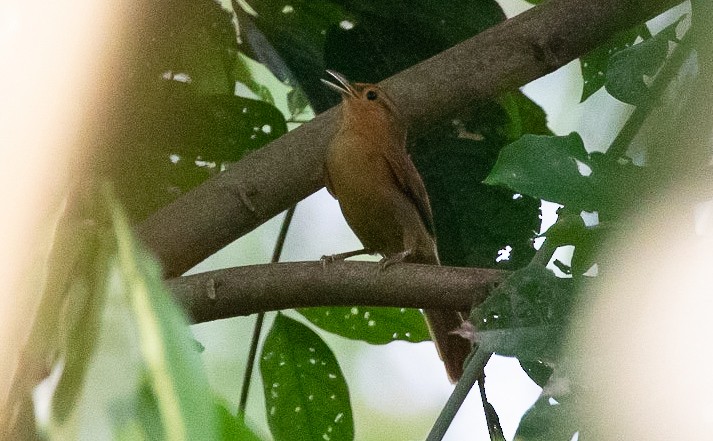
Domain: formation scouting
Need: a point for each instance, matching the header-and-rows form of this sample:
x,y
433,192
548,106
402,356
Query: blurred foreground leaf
x,y
142,360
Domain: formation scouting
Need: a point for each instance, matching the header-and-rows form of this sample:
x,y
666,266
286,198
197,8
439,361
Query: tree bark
x,y
250,289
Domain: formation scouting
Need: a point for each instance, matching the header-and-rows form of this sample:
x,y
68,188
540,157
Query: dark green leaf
x,y
548,167
526,316
627,69
524,116
306,396
475,223
548,421
538,371
174,105
545,167
364,40
173,144
187,41
594,64
620,186
372,325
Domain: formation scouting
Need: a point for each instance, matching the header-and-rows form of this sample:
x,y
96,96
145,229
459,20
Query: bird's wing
x,y
410,181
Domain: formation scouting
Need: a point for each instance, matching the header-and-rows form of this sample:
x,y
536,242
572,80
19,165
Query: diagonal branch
x,y
246,290
289,169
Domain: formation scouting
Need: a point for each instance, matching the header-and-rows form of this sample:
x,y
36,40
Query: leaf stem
x,y
473,371
276,253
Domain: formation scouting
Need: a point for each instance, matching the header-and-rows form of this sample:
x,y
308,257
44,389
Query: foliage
x,y
306,395
486,171
126,362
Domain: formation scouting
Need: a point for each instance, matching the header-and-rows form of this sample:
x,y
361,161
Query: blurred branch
x,y
289,169
246,290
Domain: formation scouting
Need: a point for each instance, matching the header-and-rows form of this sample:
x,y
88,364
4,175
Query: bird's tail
x,y
452,348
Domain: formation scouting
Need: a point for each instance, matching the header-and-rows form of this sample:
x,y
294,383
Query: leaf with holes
x,y
594,64
476,224
377,326
628,69
306,396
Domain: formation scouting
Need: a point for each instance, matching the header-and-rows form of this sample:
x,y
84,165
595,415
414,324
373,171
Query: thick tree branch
x,y
249,289
289,169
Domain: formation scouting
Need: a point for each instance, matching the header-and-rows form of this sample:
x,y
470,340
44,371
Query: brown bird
x,y
383,199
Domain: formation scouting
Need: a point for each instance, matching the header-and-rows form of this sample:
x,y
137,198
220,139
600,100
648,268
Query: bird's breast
x,y
368,195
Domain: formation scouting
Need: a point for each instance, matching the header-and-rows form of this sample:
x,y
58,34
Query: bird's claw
x,y
341,256
327,260
394,258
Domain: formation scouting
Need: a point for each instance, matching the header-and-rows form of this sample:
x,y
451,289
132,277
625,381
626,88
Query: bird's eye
x,y
371,95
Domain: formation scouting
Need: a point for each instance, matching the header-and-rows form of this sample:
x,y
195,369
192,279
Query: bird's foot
x,y
326,260
392,259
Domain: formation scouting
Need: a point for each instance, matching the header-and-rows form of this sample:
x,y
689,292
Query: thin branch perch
x,y
246,290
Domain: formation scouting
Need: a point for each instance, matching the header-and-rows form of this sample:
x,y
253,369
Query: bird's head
x,y
364,101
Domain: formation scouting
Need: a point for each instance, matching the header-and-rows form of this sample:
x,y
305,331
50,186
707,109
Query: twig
x,y
473,371
247,377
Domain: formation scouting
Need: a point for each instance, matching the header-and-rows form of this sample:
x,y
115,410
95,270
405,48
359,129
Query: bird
x,y
383,198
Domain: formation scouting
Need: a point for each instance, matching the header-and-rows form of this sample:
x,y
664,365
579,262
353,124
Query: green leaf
x,y
172,366
548,167
571,230
372,325
306,396
137,417
85,304
175,143
526,316
247,72
524,116
619,185
475,223
130,362
538,371
545,167
364,40
628,68
549,421
176,119
297,102
187,41
234,428
594,64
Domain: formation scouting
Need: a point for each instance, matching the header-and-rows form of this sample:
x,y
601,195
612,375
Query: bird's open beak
x,y
342,86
